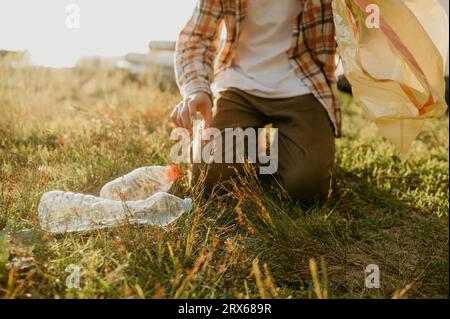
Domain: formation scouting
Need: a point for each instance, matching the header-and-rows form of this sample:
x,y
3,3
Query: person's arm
x,y
194,62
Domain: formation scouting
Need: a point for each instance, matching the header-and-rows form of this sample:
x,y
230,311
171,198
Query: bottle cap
x,y
174,172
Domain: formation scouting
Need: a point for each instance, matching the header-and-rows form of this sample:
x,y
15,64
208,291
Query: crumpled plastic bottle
x,y
141,183
61,212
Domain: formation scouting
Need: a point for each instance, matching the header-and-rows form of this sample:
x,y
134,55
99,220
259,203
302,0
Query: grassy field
x,y
76,129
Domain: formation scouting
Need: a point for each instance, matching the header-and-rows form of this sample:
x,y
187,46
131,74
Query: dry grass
x,y
76,129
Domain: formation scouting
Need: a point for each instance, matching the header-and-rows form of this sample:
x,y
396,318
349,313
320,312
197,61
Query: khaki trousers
x,y
306,142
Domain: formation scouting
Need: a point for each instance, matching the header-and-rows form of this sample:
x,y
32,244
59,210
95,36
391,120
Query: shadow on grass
x,y
359,225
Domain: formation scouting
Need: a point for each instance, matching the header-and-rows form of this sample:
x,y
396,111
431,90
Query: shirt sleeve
x,y
196,48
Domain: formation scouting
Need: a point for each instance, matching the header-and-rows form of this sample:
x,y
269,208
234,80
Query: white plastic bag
x,y
397,69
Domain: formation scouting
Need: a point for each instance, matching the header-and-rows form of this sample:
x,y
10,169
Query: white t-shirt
x,y
261,66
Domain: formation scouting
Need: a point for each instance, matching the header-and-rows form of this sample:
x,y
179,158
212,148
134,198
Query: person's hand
x,y
184,113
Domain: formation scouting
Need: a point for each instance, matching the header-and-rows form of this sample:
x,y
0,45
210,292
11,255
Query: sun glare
x,y
58,33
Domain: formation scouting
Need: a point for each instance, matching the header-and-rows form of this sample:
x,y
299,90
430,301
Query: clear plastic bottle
x,y
141,183
61,212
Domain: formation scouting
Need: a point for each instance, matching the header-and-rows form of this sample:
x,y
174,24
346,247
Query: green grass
x,y
76,129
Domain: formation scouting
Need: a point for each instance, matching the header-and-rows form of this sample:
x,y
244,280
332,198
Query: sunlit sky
x,y
107,27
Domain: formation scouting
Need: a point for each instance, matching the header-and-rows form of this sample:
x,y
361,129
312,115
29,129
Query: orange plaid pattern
x,y
312,53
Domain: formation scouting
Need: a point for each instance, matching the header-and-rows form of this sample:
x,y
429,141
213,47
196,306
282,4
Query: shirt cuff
x,y
194,87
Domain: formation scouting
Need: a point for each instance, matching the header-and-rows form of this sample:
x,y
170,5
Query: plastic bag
x,y
396,69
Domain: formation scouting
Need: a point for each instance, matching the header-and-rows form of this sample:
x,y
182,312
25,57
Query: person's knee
x,y
308,185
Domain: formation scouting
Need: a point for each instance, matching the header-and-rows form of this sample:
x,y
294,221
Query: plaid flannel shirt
x,y
312,54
